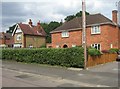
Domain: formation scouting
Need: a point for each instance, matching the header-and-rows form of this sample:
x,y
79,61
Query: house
x,y
6,40
28,35
101,32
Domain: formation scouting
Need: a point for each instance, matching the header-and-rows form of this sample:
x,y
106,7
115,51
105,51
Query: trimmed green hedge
x,y
93,52
69,57
113,50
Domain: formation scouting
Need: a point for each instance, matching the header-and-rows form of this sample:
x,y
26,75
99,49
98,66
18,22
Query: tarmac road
x,y
32,75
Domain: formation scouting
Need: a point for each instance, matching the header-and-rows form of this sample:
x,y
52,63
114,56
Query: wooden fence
x,y
104,58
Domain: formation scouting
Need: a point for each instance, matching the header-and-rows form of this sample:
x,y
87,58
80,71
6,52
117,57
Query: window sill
x,y
64,37
95,33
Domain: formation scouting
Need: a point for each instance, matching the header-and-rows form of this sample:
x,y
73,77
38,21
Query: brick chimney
x,y
38,23
115,16
39,26
30,22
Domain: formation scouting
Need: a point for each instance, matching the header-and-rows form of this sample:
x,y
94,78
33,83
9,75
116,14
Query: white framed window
x,y
57,46
65,34
73,45
97,46
95,29
19,37
19,45
111,45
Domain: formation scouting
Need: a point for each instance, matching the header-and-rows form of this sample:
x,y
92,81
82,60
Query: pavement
x,y
16,74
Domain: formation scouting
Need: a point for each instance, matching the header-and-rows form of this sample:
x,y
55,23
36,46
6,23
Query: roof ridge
x,y
91,19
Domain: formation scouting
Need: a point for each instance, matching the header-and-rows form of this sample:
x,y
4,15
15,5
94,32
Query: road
x,y
33,75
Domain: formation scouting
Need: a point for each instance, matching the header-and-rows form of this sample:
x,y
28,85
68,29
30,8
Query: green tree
x,y
11,29
48,28
78,14
45,27
70,17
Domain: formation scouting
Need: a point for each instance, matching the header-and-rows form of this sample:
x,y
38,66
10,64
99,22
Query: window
x,y
57,46
95,30
73,45
97,46
19,37
19,45
65,34
111,45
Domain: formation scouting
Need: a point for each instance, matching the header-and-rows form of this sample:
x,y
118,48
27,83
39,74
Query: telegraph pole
x,y
84,32
118,12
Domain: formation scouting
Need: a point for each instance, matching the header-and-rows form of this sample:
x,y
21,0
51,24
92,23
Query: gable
x,y
17,29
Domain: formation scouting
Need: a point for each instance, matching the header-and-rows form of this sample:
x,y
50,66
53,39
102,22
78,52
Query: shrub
x,y
113,50
93,52
43,46
69,57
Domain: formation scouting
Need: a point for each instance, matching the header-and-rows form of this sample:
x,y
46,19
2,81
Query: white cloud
x,y
50,10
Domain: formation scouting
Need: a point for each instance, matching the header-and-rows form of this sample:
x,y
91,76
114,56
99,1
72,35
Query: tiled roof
x,y
32,30
77,22
5,35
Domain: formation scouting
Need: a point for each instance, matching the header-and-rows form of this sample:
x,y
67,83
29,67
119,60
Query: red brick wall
x,y
119,38
73,39
108,35
101,38
113,36
2,41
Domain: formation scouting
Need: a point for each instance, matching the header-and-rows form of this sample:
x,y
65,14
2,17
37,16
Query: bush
x,y
113,50
93,52
69,57
43,46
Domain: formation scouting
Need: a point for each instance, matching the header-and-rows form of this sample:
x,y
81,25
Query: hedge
x,y
113,50
93,52
69,57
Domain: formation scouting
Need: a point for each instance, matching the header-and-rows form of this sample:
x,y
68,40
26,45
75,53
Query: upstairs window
x,y
65,34
95,30
97,46
19,37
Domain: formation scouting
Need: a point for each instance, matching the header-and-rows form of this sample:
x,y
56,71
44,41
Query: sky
x,y
15,11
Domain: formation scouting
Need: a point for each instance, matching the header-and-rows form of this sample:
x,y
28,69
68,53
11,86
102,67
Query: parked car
x,y
118,58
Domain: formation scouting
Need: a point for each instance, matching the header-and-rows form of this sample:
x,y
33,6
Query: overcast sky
x,y
15,11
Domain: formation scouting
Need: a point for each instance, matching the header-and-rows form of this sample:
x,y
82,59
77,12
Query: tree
x,y
78,14
70,17
48,28
45,27
11,29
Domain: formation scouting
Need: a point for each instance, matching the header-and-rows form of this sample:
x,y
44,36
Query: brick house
x,y
28,35
101,32
6,40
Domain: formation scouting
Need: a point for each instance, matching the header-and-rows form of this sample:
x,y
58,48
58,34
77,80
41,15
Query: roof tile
x,y
34,30
77,22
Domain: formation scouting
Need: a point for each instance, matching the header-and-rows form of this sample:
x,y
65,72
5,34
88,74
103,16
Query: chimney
x,y
30,22
115,16
39,26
